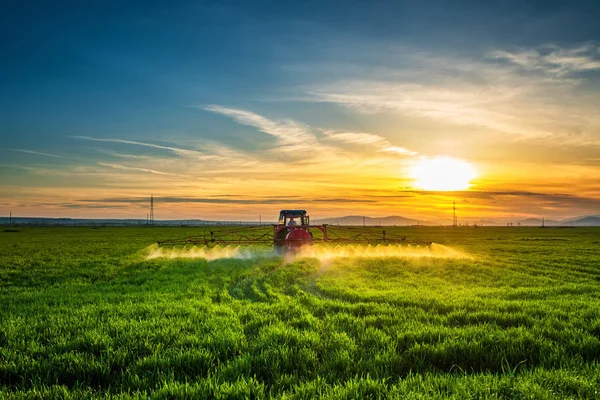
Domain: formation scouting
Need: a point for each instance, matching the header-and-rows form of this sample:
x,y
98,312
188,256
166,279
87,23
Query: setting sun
x,y
443,173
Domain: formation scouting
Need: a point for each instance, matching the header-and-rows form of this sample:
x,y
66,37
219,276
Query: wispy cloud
x,y
398,150
211,155
292,136
91,206
176,150
356,138
137,169
554,60
227,200
367,139
299,139
464,106
130,156
36,153
529,94
287,163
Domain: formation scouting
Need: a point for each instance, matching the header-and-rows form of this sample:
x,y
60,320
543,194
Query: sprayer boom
x,y
290,235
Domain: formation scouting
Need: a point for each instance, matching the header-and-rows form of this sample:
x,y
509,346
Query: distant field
x,y
516,314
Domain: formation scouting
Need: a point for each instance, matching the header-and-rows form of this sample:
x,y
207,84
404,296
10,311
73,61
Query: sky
x,y
230,110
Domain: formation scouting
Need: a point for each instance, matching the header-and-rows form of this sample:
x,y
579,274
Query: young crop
x,y
492,313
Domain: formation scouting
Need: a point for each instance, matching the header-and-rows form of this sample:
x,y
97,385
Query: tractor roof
x,y
293,212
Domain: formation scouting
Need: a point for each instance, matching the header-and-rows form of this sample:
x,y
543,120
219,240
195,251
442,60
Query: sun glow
x,y
443,173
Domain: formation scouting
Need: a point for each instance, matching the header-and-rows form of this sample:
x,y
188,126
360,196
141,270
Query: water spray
x,y
318,251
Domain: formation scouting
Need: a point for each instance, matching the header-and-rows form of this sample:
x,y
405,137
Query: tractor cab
x,y
299,215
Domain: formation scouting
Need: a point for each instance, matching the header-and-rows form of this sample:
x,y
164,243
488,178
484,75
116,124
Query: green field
x,y
84,314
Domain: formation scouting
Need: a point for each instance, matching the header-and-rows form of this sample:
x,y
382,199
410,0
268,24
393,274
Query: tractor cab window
x,y
299,217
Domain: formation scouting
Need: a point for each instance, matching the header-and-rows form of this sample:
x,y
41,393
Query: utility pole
x,y
259,219
363,221
454,220
10,219
151,209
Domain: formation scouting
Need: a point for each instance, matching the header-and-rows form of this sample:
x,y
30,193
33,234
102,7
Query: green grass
x,y
84,315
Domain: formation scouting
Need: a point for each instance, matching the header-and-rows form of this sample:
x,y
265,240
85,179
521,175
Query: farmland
x,y
508,313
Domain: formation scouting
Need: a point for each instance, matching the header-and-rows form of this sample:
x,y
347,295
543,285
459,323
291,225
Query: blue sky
x,y
97,95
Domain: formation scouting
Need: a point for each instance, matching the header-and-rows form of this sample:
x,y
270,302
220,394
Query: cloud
x,y
291,135
212,153
295,137
130,156
176,150
226,200
356,138
224,168
398,150
461,106
554,60
36,153
91,206
301,146
137,169
530,94
368,139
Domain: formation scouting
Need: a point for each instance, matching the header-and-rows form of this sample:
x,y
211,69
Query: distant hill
x,y
370,221
579,217
485,222
585,221
593,220
538,222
